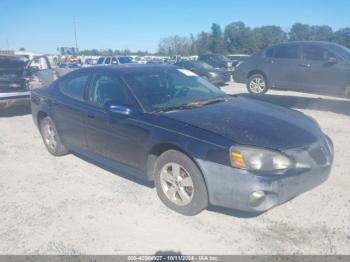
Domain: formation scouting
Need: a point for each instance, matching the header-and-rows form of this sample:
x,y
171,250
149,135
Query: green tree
x,y
342,36
239,38
216,44
268,35
299,32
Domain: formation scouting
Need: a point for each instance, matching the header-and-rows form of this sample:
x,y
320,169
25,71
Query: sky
x,y
42,26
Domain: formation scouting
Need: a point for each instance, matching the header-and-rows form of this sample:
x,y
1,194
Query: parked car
x,y
218,61
236,59
309,66
18,75
197,144
215,76
114,60
64,68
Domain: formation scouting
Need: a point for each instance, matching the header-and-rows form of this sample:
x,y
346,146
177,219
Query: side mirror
x,y
113,107
114,62
332,60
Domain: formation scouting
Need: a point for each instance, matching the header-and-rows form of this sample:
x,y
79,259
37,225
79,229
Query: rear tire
x,y
180,184
257,84
51,138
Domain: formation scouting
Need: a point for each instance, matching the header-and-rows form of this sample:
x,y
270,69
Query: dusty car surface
x,y
198,145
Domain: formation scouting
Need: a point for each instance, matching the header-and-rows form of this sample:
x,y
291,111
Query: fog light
x,y
257,197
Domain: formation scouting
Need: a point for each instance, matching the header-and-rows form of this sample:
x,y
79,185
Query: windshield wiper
x,y
191,105
206,102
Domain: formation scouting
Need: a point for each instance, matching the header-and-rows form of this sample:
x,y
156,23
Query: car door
x,y
68,111
282,66
324,71
113,136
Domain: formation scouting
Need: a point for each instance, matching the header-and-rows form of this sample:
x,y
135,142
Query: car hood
x,y
250,122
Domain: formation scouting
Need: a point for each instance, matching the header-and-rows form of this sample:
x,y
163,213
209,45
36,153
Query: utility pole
x,y
75,33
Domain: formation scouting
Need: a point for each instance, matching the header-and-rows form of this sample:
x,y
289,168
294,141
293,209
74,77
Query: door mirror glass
x,y
113,107
332,60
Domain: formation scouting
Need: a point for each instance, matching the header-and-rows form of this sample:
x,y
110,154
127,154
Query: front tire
x,y
257,84
51,138
180,184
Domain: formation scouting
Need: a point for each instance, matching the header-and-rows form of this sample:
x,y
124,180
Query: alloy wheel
x,y
257,85
176,184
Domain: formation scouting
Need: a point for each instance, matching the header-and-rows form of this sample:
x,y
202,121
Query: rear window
x,y
13,62
74,85
286,52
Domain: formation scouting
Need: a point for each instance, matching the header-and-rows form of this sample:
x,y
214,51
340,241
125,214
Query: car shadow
x,y
233,212
13,111
320,104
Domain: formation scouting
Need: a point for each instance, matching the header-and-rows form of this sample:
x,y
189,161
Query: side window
x,y
100,60
74,86
270,52
114,61
106,88
286,52
108,60
311,52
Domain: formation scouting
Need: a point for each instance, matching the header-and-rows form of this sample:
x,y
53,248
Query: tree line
x,y
237,38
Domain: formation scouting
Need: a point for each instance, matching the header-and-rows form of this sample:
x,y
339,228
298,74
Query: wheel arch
x,y
159,149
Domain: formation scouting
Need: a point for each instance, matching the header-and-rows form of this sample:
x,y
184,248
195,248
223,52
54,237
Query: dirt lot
x,y
66,205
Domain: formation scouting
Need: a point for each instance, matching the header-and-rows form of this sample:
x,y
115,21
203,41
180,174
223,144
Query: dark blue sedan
x,y
198,145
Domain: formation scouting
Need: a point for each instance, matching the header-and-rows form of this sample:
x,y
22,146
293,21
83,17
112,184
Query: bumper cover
x,y
231,187
12,98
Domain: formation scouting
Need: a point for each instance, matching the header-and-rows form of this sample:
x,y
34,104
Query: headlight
x,y
258,159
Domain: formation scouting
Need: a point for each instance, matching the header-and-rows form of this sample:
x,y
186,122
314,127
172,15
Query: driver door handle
x,y
305,65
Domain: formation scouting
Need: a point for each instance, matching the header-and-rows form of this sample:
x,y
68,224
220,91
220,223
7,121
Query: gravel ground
x,y
66,205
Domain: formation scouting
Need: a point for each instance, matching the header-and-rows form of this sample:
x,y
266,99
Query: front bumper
x,y
232,188
13,98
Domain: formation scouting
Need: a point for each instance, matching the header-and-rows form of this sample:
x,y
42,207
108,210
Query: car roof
x,y
320,43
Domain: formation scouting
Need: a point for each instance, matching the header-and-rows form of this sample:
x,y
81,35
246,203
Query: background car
x,y
114,60
237,58
217,60
64,68
206,71
18,75
307,66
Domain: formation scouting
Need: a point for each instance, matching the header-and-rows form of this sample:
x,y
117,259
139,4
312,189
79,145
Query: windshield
x,y
7,62
159,90
124,59
343,51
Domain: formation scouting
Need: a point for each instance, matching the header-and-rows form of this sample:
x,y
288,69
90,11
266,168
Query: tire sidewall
x,y
257,76
200,197
60,149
